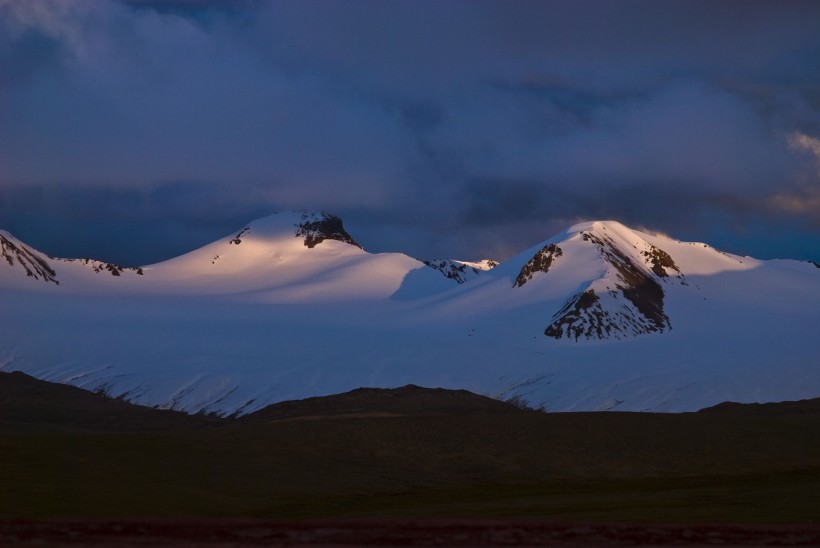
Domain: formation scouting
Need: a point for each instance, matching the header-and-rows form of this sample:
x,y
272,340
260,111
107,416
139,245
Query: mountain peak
x,y
600,224
621,274
313,227
627,300
318,227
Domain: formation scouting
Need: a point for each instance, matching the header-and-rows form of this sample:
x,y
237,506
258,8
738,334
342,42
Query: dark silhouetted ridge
x,y
410,400
27,403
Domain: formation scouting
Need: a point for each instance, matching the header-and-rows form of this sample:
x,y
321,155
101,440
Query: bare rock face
x,y
643,291
317,229
452,270
581,316
634,306
35,266
541,262
660,261
102,266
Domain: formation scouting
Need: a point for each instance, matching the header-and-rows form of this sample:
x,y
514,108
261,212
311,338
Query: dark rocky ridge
x,y
38,268
541,262
101,266
326,227
35,266
452,270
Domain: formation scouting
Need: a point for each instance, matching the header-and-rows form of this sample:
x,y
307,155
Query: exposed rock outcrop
x,y
317,229
581,316
34,266
542,261
460,271
236,240
660,261
102,266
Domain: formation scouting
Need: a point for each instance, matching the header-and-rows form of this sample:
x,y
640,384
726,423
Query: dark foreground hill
x,y
407,401
29,404
408,452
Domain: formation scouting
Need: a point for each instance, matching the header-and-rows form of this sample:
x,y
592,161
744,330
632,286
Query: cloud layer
x,y
138,129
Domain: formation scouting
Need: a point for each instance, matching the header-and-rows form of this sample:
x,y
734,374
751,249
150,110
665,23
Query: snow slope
x,y
287,257
597,317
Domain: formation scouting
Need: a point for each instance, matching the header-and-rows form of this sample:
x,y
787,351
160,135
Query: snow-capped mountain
x,y
626,300
27,265
598,317
285,257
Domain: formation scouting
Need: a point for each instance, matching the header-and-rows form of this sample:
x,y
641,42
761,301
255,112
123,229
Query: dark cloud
x,y
26,55
194,7
435,127
129,226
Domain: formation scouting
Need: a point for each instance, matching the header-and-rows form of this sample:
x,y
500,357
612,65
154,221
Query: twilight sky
x,y
133,131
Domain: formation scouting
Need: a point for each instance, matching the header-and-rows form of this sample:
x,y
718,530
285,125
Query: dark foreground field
x,y
371,457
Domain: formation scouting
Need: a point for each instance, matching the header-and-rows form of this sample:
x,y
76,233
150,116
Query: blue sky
x,y
134,131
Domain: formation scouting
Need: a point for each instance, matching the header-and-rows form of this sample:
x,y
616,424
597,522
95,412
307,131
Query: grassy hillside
x,y
411,452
